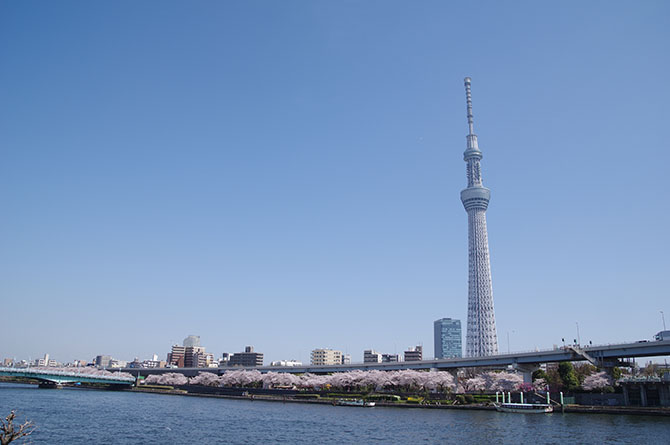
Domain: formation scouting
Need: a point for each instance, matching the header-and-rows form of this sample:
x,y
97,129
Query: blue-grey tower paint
x,y
481,337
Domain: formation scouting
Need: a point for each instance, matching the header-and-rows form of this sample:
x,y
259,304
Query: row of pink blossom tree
x,y
406,380
87,370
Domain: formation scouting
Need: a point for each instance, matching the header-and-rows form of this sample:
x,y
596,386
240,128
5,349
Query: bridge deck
x,y
65,377
599,353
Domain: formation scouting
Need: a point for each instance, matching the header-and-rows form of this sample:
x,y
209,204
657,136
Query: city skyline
x,y
287,176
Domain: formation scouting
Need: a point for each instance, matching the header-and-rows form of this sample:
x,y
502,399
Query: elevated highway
x,y
602,356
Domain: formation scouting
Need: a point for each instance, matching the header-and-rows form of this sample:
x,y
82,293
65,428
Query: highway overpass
x,y
602,356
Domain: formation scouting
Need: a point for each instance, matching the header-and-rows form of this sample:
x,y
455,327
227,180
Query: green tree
x,y
584,370
539,374
616,373
554,380
568,376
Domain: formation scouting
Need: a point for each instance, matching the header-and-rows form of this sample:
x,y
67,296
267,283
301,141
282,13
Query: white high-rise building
x,y
481,338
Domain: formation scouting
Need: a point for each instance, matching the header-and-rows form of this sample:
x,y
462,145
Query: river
x,y
79,416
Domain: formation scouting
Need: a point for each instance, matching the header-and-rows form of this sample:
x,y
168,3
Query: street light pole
x,y
508,349
579,340
663,317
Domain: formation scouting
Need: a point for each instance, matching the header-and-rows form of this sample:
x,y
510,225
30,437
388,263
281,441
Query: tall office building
x,y
481,338
176,356
191,341
447,335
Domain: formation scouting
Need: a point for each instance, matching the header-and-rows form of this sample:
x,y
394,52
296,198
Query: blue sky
x,y
287,174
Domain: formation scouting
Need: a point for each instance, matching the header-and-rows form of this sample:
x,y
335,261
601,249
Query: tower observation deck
x,y
481,337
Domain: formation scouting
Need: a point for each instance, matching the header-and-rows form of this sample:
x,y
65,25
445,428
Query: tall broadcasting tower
x,y
481,338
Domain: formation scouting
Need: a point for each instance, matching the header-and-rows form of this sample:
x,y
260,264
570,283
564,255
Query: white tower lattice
x,y
481,337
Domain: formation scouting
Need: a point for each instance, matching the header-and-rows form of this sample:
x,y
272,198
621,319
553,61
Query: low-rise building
x,y
321,357
286,363
45,361
113,363
102,361
414,354
247,358
372,356
388,358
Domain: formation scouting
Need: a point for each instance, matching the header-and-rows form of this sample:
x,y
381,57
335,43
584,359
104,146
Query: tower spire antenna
x,y
482,336
468,97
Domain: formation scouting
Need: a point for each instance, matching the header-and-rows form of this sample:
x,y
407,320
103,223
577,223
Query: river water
x,y
78,416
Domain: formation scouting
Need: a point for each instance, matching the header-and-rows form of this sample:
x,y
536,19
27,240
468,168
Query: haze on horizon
x,y
287,174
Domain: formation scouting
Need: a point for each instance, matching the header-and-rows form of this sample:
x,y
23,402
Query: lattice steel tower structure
x,y
481,337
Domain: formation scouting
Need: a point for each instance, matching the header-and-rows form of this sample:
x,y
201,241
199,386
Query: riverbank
x,y
626,410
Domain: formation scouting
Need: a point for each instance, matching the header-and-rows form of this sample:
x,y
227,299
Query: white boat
x,y
530,408
354,402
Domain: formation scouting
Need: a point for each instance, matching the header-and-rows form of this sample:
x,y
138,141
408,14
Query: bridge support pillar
x,y
527,371
608,366
50,385
664,394
626,395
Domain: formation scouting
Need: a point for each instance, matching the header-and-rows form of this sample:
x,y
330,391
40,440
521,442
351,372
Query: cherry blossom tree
x,y
206,379
526,387
374,380
493,381
596,380
540,385
170,379
280,379
84,370
241,378
477,383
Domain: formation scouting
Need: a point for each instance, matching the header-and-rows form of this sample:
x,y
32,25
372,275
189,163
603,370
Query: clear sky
x,y
287,174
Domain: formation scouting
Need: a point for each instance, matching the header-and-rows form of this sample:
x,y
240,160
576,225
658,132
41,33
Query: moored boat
x,y
355,402
529,408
